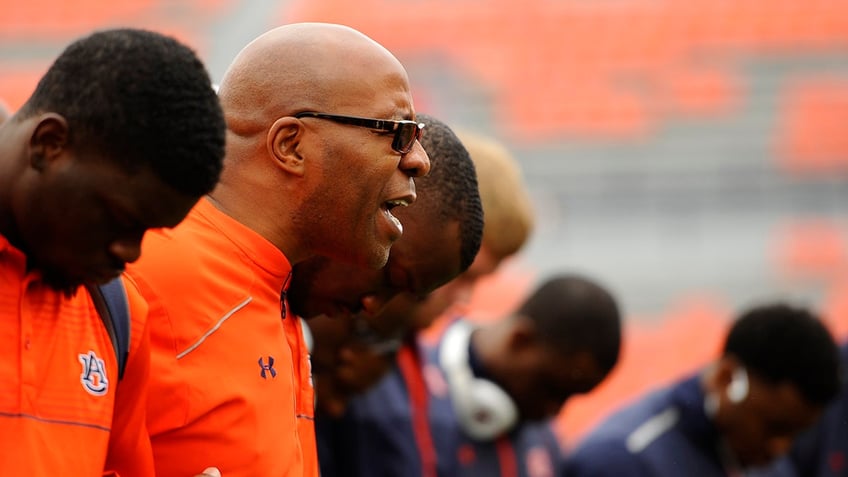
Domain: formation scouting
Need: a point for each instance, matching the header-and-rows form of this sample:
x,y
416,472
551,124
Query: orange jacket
x,y
230,383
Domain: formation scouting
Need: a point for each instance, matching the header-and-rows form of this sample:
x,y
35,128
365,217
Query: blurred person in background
x,y
322,145
122,134
508,221
777,372
442,234
823,450
495,387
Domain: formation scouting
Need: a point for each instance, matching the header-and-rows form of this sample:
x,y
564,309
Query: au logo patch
x,y
93,377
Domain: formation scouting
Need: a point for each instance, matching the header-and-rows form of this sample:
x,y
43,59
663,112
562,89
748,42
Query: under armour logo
x,y
93,377
267,368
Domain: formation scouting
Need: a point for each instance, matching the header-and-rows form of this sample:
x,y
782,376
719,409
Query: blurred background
x,y
692,156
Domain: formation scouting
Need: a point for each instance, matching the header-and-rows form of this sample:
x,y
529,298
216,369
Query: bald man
x,y
321,146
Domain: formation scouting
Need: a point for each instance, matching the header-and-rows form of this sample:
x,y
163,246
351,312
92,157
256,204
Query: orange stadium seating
x,y
647,61
812,135
811,249
48,19
18,82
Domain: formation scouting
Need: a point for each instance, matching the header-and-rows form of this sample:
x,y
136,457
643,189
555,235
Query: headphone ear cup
x,y
483,409
487,411
737,390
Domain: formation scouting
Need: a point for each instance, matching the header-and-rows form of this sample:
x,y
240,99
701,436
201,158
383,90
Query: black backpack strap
x,y
110,299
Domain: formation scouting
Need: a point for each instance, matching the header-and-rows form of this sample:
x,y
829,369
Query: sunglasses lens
x,y
405,137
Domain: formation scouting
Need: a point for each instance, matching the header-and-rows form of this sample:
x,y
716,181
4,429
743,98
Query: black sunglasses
x,y
406,132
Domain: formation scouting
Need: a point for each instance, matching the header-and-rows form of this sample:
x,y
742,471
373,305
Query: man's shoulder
x,y
629,417
622,444
189,240
602,454
632,428
172,260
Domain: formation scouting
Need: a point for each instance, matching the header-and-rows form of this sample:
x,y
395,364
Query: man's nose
x,y
415,163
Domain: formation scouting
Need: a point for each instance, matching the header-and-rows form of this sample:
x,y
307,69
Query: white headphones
x,y
484,410
737,390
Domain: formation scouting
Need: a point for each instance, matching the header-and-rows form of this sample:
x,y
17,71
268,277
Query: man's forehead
x,y
783,404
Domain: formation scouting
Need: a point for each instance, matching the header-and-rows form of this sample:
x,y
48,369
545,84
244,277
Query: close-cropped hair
x,y
139,98
506,200
572,313
782,343
451,188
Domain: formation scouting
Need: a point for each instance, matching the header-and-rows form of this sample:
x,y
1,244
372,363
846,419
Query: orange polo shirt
x,y
62,410
229,384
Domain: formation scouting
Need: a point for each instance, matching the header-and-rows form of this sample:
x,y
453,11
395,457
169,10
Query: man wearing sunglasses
x,y
444,229
321,147
405,132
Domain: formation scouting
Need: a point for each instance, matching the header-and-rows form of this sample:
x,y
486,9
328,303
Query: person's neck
x,y
249,208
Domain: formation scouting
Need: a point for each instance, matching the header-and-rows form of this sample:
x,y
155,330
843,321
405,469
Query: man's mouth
x,y
387,210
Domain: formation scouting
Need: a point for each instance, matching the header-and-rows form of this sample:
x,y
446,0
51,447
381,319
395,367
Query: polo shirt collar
x,y
256,247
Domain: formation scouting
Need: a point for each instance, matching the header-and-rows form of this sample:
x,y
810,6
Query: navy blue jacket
x,y
665,434
376,438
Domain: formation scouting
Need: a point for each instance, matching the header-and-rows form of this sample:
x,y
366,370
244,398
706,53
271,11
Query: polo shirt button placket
x,y
29,377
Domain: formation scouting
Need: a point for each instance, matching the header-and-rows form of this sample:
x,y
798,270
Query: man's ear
x,y
49,139
723,372
522,333
284,144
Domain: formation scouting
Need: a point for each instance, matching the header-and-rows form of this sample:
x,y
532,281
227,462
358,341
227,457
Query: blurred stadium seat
x,y
813,133
49,19
811,249
18,82
595,65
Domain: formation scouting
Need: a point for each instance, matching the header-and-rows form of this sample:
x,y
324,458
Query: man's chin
x,y
61,283
377,257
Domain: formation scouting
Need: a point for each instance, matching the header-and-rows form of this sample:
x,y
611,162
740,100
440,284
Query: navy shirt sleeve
x,y
603,459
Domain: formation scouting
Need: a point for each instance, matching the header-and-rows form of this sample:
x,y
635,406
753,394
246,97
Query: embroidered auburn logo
x,y
93,377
